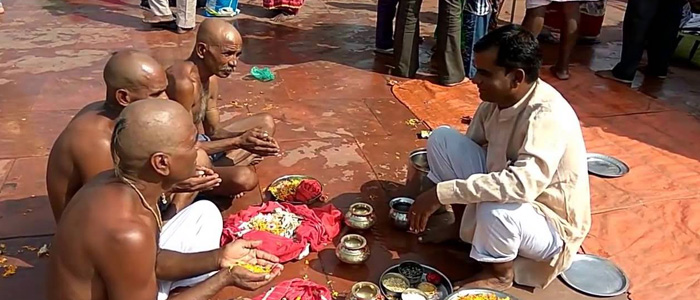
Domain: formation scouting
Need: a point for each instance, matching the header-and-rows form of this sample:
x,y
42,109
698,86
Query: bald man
x,y
194,84
81,151
111,242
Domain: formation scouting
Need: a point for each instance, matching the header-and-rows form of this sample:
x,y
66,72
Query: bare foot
x,y
608,74
238,195
2,10
282,16
562,74
457,83
441,228
486,279
181,30
158,19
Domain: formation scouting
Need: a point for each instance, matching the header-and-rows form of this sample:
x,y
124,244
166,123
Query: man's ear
x,y
518,77
160,162
200,49
123,97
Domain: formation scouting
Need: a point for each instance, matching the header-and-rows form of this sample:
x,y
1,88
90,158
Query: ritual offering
x,y
480,294
410,280
253,268
287,231
296,189
352,249
360,216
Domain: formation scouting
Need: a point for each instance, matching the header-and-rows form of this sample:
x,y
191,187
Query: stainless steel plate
x,y
596,276
467,292
269,197
606,166
444,288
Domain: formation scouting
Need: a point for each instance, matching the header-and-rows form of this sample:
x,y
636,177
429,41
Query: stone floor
x,y
337,118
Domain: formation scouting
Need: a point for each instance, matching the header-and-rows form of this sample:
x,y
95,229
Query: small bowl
x,y
364,290
360,216
398,211
429,289
270,197
420,295
419,160
394,294
413,271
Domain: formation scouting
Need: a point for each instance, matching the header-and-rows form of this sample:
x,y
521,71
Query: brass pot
x,y
352,249
364,290
360,216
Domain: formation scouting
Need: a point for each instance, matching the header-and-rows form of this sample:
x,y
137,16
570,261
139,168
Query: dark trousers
x,y
651,25
448,54
386,11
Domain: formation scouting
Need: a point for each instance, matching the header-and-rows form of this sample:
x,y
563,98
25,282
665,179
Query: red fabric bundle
x,y
296,289
308,189
318,227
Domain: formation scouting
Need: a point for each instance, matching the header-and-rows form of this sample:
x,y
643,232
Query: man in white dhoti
x,y
520,169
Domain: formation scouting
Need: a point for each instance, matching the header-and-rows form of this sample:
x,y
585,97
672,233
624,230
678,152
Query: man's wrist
x,y
219,257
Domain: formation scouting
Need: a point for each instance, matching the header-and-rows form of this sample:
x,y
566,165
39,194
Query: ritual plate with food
x,y
410,280
480,294
295,189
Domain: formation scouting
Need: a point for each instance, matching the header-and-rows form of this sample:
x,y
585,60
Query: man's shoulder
x,y
546,98
180,69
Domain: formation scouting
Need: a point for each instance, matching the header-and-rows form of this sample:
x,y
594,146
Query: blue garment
x,y
474,27
214,157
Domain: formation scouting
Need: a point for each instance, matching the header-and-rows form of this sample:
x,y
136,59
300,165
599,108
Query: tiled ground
x,y
337,120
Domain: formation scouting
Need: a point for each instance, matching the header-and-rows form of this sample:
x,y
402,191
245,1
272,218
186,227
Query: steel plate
x,y
445,287
467,292
606,166
595,276
269,197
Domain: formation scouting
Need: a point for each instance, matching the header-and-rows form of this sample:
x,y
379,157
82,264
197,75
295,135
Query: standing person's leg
x,y
161,11
478,26
407,38
534,15
384,39
448,54
662,37
638,18
569,36
185,16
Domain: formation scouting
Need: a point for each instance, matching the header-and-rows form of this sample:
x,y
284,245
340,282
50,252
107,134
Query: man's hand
x,y
425,206
248,280
204,180
246,251
259,142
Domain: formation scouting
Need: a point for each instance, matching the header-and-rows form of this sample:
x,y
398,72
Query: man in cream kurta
x,y
520,169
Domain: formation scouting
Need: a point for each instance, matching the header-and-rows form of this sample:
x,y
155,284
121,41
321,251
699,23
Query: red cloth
x,y
307,190
288,6
296,289
318,227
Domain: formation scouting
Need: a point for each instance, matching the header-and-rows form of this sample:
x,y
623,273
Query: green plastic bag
x,y
262,74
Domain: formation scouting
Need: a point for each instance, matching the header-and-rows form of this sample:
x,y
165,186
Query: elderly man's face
x,y
494,83
223,59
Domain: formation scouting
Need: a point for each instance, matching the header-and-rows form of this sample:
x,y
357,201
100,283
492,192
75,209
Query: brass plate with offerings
x,y
415,280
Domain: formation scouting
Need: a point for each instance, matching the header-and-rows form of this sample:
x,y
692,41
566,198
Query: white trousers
x,y
503,230
185,11
197,228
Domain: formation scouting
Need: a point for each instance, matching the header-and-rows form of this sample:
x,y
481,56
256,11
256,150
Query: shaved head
x,y
154,137
218,47
131,76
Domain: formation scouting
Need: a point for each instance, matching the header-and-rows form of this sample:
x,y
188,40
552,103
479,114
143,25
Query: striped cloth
x,y
296,289
477,7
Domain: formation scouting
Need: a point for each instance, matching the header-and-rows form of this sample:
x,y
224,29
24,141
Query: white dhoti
x,y
197,228
185,11
498,232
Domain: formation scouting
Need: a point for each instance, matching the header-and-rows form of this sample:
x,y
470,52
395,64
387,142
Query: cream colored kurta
x,y
535,153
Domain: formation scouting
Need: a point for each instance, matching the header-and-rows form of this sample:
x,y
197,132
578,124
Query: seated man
x,y
81,151
194,84
521,170
111,240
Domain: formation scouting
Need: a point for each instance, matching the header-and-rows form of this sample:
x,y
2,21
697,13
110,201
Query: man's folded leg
x,y
197,228
503,232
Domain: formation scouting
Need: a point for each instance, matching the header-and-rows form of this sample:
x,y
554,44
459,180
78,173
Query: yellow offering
x,y
483,296
253,268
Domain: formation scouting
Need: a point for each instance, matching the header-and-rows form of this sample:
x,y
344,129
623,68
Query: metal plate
x,y
467,292
444,288
606,166
269,197
595,276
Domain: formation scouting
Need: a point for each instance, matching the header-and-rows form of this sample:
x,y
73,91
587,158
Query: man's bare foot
x,y
457,83
561,73
239,195
255,159
181,30
441,228
282,16
158,19
608,74
2,10
486,279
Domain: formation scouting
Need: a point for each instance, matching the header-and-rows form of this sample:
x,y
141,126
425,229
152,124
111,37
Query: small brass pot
x,y
360,216
352,249
364,290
